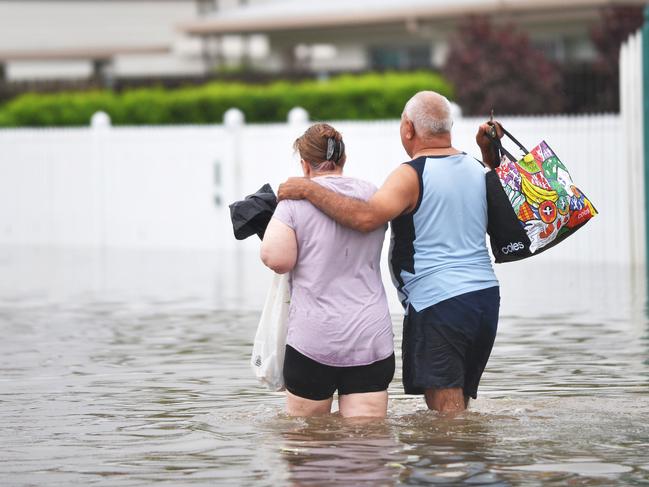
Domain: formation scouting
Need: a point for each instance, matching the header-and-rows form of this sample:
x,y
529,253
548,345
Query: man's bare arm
x,y
398,194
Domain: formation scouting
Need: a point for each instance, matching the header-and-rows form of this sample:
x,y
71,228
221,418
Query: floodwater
x,y
131,368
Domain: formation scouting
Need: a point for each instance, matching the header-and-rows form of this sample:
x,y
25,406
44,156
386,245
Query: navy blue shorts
x,y
448,344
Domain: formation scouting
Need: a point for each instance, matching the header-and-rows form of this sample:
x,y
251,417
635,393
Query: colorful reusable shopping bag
x,y
532,203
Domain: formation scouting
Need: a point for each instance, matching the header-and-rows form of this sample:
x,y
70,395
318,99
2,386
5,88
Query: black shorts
x,y
309,379
448,344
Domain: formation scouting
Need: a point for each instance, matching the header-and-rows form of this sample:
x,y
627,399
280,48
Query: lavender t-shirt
x,y
339,312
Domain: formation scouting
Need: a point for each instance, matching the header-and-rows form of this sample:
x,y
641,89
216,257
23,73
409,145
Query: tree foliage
x,y
497,67
615,27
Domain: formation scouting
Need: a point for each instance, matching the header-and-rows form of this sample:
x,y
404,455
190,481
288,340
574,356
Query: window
x,y
400,57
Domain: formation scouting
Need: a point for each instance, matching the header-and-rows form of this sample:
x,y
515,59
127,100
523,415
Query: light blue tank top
x,y
439,250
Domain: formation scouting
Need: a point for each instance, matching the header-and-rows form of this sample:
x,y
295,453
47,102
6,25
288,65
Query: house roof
x,y
298,15
80,53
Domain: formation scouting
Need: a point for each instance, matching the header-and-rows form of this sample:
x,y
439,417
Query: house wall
x,y
69,24
51,25
562,39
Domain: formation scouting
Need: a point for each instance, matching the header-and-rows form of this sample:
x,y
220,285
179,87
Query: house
x,y
107,40
342,35
103,39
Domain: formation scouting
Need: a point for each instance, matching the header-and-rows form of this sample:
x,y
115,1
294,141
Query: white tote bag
x,y
267,359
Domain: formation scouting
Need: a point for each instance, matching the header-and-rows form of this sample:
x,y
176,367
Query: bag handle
x,y
497,146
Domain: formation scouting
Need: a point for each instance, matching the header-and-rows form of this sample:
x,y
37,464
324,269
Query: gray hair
x,y
430,113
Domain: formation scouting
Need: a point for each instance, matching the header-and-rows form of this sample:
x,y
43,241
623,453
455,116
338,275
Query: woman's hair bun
x,y
321,144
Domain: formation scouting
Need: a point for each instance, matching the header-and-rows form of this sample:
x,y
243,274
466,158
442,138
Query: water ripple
x,y
135,392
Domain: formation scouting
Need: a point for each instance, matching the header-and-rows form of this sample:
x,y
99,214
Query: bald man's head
x,y
430,113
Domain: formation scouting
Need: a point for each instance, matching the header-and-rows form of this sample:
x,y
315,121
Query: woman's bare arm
x,y
279,247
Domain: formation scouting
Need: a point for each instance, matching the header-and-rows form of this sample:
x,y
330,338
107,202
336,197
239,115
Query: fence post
x,y
645,105
298,116
100,120
233,120
100,125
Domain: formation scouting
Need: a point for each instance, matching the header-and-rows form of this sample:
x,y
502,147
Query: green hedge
x,y
365,97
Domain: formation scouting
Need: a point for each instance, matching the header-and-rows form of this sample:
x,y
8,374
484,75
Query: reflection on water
x,y
132,369
332,451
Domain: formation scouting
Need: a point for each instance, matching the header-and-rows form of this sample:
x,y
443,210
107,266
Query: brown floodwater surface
x,y
132,368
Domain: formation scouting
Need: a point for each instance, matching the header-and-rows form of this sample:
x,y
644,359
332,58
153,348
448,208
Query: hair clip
x,y
331,147
341,149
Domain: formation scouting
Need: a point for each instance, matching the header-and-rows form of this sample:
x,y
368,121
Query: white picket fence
x,y
168,187
631,110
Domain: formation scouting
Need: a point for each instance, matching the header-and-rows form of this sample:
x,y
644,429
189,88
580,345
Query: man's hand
x,y
484,141
293,189
483,138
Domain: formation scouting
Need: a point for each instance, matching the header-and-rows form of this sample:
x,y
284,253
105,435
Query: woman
x,y
339,328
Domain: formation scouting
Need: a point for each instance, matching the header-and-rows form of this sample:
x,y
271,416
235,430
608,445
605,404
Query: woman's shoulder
x,y
362,183
350,186
366,189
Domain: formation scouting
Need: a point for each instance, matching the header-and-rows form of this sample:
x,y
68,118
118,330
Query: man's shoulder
x,y
418,165
406,170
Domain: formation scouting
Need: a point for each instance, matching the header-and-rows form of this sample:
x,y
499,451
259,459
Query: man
x,y
438,258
